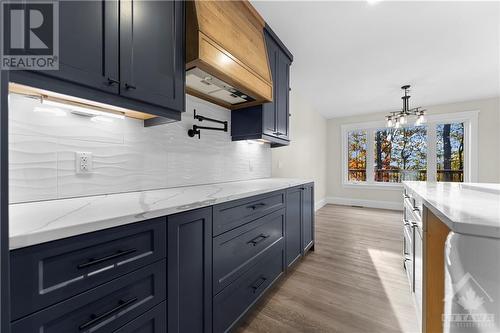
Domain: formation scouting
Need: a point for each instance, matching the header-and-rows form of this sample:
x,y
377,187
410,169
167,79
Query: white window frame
x,y
470,120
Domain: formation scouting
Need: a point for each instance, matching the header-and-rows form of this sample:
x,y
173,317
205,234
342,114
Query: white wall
x,y
488,154
127,156
305,157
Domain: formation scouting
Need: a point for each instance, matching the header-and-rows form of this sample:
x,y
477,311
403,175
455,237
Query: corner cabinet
x,y
269,121
109,53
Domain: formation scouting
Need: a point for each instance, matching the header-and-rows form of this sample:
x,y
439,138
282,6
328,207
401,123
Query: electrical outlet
x,y
83,162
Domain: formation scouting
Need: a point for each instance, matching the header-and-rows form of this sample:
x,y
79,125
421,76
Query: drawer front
x,y
230,215
153,321
48,273
414,202
234,301
102,309
235,251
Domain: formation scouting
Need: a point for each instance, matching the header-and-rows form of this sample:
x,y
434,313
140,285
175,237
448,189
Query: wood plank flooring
x,y
353,282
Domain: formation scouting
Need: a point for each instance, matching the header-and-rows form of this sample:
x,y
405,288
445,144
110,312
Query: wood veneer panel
x,y
435,234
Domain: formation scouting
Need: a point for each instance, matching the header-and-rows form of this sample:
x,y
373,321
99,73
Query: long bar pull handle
x,y
258,239
257,205
97,318
257,284
92,261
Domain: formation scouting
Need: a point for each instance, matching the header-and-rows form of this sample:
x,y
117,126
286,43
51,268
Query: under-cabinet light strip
x,y
76,107
84,109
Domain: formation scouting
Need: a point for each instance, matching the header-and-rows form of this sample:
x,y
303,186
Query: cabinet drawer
x,y
153,321
234,301
48,273
230,215
238,249
102,309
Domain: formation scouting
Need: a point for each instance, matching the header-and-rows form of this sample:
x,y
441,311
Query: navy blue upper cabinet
x,y
125,53
189,253
151,52
88,52
282,93
269,121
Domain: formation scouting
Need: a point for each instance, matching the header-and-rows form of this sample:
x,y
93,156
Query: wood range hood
x,y
226,54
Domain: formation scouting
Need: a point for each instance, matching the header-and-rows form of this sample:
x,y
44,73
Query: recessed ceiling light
x,y
373,2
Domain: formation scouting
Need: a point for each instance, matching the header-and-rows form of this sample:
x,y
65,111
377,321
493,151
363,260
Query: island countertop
x,y
467,208
37,222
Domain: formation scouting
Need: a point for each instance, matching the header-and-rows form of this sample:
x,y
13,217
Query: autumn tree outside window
x,y
443,149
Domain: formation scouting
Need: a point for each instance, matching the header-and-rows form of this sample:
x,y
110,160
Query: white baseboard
x,y
365,203
320,203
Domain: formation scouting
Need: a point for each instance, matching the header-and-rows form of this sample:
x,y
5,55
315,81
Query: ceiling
x,y
352,57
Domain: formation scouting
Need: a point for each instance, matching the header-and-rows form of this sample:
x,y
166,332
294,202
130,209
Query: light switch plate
x,y
84,163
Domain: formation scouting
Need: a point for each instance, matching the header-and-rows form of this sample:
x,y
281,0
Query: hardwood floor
x,y
353,282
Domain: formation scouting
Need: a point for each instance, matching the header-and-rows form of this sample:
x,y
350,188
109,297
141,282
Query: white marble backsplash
x,y
126,156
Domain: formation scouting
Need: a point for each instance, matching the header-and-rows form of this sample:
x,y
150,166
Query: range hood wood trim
x,y
208,98
206,53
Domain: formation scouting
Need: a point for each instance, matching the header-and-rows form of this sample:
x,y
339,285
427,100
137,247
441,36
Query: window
x,y
443,149
357,156
400,154
450,152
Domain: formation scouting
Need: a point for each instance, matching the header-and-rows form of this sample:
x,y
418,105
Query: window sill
x,y
374,186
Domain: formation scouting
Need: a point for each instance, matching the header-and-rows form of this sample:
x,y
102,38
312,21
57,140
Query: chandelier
x,y
400,118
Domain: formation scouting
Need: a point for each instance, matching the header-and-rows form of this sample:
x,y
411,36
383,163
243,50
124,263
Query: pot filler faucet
x,y
196,129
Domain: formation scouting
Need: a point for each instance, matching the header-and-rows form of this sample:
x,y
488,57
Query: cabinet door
x,y
282,93
293,244
189,253
152,52
269,109
88,44
308,217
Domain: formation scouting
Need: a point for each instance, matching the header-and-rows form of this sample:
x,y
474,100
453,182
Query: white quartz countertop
x,y
43,221
467,208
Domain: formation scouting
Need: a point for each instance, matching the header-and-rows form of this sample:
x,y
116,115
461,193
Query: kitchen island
x,y
452,254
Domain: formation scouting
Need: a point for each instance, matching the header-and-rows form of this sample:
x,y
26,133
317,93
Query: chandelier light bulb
x,y
403,120
421,118
398,124
389,122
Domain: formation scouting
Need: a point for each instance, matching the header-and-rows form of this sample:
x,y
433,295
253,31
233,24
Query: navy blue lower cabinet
x,y
232,303
232,214
189,253
45,274
308,218
293,225
153,321
104,308
236,250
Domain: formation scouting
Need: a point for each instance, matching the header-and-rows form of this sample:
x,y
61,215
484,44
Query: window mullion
x,y
431,152
370,174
